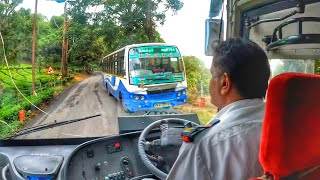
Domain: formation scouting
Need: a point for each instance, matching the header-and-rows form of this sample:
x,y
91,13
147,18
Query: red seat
x,y
290,140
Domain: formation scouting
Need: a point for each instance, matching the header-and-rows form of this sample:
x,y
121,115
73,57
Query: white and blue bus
x,y
146,76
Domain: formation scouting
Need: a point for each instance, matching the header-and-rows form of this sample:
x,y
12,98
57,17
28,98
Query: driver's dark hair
x,y
246,64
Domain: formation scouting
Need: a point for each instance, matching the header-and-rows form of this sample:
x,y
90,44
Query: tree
x,y
196,71
16,31
134,15
50,39
91,34
6,9
95,34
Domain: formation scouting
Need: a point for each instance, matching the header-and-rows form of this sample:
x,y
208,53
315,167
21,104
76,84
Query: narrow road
x,y
83,99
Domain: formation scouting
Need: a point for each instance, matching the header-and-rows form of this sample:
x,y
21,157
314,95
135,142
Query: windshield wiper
x,y
47,126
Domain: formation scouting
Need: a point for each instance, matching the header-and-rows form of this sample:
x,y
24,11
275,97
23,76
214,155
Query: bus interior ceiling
x,y
279,9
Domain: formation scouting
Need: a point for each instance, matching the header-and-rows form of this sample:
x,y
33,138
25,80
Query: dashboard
x,y
113,159
94,158
106,158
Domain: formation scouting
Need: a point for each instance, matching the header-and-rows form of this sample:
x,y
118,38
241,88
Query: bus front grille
x,y
161,96
161,91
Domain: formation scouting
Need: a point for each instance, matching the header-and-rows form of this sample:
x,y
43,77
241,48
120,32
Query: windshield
x,y
61,62
72,59
153,65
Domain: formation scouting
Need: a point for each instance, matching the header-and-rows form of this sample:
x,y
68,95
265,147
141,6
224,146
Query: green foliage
x,y
94,34
11,101
9,128
136,16
49,40
17,33
91,34
9,112
317,66
16,28
196,70
204,114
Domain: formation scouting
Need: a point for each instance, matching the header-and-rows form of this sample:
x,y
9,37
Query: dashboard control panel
x,y
112,159
126,166
114,147
116,176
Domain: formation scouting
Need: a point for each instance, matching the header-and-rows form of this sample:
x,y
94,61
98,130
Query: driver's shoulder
x,y
213,136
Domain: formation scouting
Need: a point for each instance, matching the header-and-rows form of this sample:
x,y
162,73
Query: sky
x,y
186,29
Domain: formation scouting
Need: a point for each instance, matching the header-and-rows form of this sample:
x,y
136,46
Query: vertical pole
x,y
34,48
64,45
66,50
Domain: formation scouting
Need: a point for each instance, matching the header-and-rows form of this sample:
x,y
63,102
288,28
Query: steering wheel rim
x,y
145,160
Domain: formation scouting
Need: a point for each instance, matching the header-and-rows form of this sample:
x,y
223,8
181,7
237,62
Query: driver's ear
x,y
225,84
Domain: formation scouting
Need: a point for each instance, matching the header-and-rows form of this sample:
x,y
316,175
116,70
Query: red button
x,y
117,145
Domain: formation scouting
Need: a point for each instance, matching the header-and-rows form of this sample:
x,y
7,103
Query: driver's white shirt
x,y
229,150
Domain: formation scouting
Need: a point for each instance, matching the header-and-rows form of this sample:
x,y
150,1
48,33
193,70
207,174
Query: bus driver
x,y
229,150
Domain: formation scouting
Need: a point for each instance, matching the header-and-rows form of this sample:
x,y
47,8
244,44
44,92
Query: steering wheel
x,y
142,143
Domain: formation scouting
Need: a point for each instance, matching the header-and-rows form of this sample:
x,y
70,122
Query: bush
x,y
10,112
192,95
11,102
9,128
196,72
8,97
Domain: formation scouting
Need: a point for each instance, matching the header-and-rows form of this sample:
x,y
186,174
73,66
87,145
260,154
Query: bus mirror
x,y
213,35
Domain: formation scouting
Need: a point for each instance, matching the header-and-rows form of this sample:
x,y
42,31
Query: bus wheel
x,y
108,92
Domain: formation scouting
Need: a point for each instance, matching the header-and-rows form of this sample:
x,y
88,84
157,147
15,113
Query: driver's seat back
x,y
290,140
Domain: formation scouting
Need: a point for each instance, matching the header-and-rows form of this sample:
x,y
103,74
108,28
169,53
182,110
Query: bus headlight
x,y
136,97
179,94
142,98
184,92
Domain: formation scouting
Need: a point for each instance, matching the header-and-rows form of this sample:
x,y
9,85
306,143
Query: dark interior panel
x,y
277,10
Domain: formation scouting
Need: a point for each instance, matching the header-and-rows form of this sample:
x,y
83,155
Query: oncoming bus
x,y
146,76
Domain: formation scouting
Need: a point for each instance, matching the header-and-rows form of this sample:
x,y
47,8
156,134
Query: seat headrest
x,y
290,140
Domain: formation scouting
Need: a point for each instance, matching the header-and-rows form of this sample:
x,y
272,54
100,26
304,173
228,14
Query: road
x,y
85,98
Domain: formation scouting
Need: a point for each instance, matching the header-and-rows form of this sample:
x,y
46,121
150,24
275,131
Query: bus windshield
x,y
155,64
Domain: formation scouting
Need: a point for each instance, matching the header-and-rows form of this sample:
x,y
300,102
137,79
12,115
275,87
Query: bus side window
x,y
112,67
123,67
108,67
116,67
